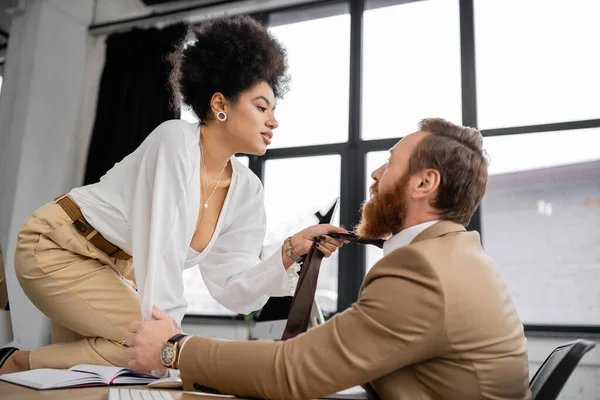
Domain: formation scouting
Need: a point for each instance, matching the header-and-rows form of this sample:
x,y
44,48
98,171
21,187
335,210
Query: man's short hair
x,y
456,152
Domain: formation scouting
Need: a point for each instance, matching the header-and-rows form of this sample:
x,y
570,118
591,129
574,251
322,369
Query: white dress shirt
x,y
403,238
148,205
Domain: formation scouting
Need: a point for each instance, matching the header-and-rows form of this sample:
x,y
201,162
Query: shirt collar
x,y
404,237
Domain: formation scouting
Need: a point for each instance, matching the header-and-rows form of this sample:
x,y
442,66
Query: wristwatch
x,y
169,352
287,249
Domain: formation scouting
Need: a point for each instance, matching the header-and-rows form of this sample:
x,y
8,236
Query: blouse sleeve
x,y
233,272
158,223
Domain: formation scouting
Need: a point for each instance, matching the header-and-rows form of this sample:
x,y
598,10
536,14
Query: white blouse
x,y
148,205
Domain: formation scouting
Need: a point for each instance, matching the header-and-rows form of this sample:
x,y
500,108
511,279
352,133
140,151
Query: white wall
x,y
96,48
44,78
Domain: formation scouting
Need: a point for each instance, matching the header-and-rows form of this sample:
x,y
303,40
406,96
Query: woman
x,y
180,199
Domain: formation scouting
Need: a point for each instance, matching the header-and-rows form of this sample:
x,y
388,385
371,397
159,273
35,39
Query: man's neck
x,y
406,235
215,150
417,220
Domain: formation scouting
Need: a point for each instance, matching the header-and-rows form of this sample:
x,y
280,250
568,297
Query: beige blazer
x,y
434,320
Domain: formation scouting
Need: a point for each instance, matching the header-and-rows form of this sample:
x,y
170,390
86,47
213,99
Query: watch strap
x,y
176,338
174,343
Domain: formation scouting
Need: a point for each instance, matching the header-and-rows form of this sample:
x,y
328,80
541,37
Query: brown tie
x,y
299,315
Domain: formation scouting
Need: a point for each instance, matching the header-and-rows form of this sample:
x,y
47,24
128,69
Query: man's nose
x,y
375,175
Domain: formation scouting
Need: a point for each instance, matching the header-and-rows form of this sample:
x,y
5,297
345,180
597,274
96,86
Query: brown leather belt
x,y
87,231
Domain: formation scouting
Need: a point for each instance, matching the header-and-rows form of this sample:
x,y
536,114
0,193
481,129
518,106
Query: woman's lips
x,y
267,136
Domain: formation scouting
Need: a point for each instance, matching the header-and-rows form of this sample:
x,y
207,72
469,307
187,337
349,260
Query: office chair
x,y
552,375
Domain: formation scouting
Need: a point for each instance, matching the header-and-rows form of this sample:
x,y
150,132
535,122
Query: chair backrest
x,y
552,375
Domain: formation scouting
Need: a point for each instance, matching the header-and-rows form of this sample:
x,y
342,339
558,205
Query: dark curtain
x,y
134,95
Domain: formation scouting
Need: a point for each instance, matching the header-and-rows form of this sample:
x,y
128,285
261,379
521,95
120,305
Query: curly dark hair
x,y
227,55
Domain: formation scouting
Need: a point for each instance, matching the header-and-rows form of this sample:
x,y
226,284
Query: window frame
x,y
351,270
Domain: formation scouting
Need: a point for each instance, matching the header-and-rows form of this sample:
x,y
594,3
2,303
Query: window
x,y
411,60
364,72
535,62
537,95
200,301
531,151
291,209
540,223
315,111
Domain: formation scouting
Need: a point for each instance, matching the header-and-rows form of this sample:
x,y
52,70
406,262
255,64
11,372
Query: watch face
x,y
167,354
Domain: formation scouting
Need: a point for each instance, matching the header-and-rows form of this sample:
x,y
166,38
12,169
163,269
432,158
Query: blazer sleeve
x,y
395,323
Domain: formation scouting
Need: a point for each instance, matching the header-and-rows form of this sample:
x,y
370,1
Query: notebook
x,y
77,376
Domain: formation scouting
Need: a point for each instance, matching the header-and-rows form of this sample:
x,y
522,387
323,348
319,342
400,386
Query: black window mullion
x,y
378,144
467,58
305,151
257,165
469,91
556,126
352,257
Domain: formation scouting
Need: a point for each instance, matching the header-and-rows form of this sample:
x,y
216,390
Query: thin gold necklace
x,y
217,179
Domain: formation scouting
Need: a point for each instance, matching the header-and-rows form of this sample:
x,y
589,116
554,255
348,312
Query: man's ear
x,y
427,183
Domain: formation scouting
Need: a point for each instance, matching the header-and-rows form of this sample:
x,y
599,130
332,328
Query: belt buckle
x,y
81,226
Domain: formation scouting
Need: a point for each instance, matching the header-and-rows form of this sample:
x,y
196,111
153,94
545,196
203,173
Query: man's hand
x,y
146,339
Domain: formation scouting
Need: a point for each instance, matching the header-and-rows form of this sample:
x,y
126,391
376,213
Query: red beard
x,y
384,214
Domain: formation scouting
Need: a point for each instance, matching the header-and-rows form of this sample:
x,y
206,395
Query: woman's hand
x,y
322,235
